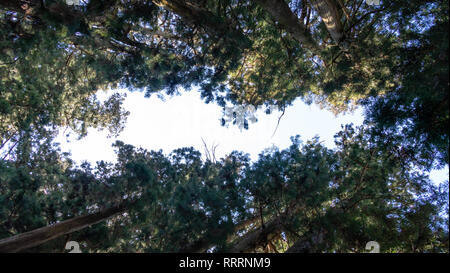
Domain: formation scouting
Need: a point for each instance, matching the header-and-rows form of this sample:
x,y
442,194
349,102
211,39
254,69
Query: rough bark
x,y
282,14
205,243
273,228
328,11
196,15
259,237
307,244
41,235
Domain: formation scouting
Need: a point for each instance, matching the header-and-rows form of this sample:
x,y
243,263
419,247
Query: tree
x,y
417,110
45,86
390,58
306,198
336,53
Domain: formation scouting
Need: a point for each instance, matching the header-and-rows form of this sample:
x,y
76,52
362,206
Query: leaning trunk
x,y
206,242
41,235
259,237
308,243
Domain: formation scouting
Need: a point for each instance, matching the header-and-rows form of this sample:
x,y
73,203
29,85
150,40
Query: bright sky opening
x,y
182,121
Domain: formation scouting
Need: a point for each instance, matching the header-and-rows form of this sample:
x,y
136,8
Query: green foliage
x,y
46,85
356,193
54,57
418,108
392,59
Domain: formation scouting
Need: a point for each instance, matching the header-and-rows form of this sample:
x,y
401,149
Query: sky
x,y
182,121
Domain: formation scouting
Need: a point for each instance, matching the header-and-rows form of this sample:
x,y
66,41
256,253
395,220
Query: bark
x,y
314,240
273,228
205,243
307,244
282,14
259,237
41,235
196,15
329,13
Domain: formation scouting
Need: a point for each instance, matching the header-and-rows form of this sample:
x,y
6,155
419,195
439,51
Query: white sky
x,y
181,121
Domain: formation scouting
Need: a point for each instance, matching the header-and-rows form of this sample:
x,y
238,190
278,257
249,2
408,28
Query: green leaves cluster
x,y
353,194
391,59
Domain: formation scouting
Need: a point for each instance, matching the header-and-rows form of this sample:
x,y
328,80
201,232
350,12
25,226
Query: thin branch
x,y
364,16
344,9
207,154
10,150
278,123
12,62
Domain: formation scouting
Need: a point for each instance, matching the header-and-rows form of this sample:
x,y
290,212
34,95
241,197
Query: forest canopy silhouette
x,y
389,59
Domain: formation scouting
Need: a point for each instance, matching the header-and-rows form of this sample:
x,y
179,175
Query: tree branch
x,y
281,13
328,10
41,235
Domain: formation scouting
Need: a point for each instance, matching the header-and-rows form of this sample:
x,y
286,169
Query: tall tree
x,y
336,53
306,198
391,58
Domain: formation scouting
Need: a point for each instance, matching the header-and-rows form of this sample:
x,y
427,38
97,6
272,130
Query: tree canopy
x,y
306,198
390,59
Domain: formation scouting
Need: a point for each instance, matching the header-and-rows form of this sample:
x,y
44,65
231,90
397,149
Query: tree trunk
x,y
204,243
307,244
329,13
281,13
196,15
258,237
41,235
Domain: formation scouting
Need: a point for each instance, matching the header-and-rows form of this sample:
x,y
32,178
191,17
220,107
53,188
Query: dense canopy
x,y
391,59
